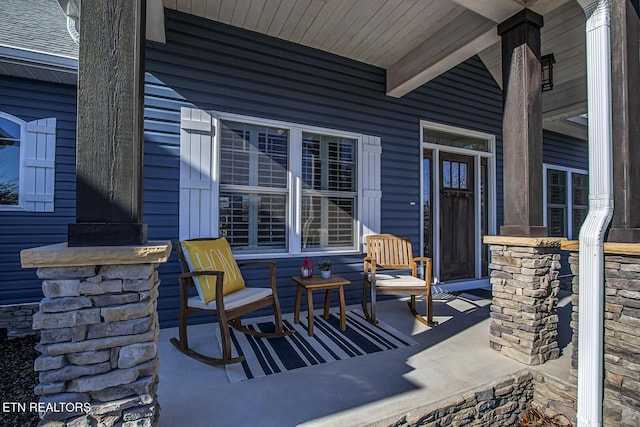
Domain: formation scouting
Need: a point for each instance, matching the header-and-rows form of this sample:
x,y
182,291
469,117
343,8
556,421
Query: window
x,y
253,186
566,196
27,164
277,187
328,191
9,162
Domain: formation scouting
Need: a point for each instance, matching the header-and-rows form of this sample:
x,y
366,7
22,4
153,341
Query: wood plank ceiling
x,y
416,40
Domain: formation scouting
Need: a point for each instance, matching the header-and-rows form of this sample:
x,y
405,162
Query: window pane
x,y
328,162
556,186
580,189
253,155
9,162
253,221
327,222
579,214
580,198
556,220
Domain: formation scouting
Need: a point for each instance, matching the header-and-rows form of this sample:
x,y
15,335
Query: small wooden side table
x,y
318,283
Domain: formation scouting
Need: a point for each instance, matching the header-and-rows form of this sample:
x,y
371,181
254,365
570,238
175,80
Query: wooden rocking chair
x,y
389,252
208,265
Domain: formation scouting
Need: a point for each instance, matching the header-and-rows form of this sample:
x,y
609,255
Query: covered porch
x,y
391,384
451,371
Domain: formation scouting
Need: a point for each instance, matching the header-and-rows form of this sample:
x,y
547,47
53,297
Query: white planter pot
x,y
325,274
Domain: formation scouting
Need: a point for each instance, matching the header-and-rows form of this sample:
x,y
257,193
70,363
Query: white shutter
x,y
197,192
371,189
40,165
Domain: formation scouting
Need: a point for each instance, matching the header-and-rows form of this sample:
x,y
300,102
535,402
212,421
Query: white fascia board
x,y
38,59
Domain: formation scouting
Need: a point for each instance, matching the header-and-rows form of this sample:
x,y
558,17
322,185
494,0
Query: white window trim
x,y
36,175
23,137
491,194
295,185
569,171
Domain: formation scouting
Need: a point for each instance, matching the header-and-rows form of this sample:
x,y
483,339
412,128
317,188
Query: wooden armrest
x,y
370,264
272,270
427,267
255,263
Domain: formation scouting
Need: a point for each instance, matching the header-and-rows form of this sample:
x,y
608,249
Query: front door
x,y
457,224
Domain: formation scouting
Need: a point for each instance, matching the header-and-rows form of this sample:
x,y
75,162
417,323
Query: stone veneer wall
x,y
501,403
621,333
16,319
525,286
99,330
555,397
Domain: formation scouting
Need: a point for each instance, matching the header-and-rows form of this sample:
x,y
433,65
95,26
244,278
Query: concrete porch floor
x,y
449,359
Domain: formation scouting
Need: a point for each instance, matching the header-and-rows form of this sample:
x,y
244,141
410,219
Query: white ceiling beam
x,y
495,10
566,127
464,37
499,10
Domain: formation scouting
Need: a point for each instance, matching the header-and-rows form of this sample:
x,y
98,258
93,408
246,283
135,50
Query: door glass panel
x,y
455,182
427,203
446,174
484,214
463,176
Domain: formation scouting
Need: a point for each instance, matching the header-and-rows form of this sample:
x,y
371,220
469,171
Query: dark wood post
x,y
110,125
625,98
522,125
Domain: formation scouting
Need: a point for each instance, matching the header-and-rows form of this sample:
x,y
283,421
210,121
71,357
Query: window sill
x,y
282,255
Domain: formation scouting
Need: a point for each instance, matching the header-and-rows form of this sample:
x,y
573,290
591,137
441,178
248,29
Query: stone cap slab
x,y
61,255
609,247
534,242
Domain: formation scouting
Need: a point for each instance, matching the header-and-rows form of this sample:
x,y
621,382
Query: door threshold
x,y
460,285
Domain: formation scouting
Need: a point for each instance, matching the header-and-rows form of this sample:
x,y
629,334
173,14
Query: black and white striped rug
x,y
329,343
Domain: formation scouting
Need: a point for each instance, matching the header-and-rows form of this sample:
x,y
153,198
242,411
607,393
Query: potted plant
x,y
325,268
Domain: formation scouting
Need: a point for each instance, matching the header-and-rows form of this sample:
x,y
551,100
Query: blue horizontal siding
x,y
563,150
31,100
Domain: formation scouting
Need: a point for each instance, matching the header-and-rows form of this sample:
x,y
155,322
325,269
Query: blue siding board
x,y
565,151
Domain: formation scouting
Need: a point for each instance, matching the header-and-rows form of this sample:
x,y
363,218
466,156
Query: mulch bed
x,y
17,380
535,417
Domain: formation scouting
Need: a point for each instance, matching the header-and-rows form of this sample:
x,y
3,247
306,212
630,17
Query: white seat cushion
x,y
233,300
398,280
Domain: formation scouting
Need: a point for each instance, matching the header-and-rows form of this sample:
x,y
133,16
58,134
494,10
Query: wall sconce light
x,y
547,62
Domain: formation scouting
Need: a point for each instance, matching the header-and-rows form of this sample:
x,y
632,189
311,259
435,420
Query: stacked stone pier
x,y
98,326
525,286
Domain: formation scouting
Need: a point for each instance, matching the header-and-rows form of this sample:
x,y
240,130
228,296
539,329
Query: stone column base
x,y
525,286
99,332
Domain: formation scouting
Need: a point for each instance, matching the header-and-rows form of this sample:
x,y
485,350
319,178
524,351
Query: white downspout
x,y
592,233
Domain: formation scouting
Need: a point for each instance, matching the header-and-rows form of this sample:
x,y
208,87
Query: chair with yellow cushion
x,y
210,267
